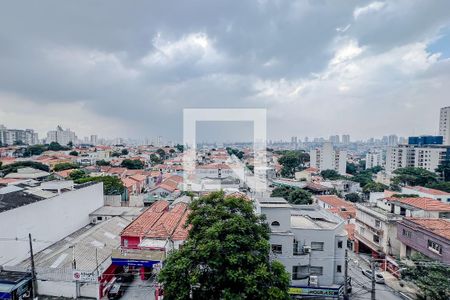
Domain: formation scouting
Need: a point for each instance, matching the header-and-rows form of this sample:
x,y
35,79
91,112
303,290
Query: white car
x,y
378,276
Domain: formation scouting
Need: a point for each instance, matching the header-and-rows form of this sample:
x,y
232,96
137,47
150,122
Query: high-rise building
x,y
61,136
424,152
94,140
18,136
328,158
392,140
444,124
334,139
374,158
294,140
346,139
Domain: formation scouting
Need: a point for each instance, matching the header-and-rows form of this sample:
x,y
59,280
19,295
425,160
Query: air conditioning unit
x,y
306,249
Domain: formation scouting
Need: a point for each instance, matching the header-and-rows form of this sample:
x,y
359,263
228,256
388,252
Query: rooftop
x,y
439,227
422,203
429,191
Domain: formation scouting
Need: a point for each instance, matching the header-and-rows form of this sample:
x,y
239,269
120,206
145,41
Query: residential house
x,y
427,192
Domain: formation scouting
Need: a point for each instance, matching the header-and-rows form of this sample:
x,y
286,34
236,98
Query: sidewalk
x,y
408,290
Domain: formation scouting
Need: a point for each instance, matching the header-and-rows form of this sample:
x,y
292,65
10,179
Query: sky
x,y
118,68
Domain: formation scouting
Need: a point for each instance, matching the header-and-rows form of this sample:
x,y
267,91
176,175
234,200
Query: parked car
x,y
378,276
116,291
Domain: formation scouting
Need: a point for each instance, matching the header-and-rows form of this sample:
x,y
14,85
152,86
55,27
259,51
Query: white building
x,y
12,136
61,136
94,139
346,139
428,157
374,158
444,124
49,211
327,158
427,192
307,240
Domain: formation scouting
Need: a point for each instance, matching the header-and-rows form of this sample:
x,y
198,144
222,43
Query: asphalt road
x,y
362,285
138,289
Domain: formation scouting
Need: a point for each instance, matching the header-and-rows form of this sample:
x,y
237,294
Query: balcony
x,y
374,246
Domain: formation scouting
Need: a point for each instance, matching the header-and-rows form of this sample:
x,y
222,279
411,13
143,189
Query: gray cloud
x,y
140,64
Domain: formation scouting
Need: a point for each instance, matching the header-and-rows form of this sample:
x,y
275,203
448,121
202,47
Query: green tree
x,y
161,153
292,161
299,196
226,255
65,166
115,154
124,152
112,185
77,174
34,150
54,146
351,168
444,170
12,168
155,159
73,153
374,187
432,278
179,147
330,174
414,176
442,186
132,164
102,162
353,197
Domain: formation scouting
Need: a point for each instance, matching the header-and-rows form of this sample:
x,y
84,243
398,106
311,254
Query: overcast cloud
x,y
116,68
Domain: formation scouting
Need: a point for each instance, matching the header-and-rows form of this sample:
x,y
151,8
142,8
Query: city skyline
x,y
368,68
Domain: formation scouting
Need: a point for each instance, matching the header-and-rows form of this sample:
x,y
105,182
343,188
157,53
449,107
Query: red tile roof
x,y
428,191
169,221
440,227
146,220
423,203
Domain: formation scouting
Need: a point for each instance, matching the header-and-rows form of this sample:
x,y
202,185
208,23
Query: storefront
x,y
303,292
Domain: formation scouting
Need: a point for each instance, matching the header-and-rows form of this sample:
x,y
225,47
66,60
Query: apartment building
x,y
307,239
61,136
13,136
444,124
374,158
431,237
328,158
428,157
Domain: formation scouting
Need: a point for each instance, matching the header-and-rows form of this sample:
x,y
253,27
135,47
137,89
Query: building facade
x,y
308,240
14,136
61,136
374,158
444,124
328,158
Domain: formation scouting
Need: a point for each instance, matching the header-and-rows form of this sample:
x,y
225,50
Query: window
x,y
435,247
300,272
317,246
277,249
406,233
340,244
275,223
376,238
339,269
318,271
377,224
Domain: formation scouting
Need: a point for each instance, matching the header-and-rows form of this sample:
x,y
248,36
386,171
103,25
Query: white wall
x,y
48,221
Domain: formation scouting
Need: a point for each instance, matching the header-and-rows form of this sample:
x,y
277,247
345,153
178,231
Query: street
x,y
139,289
362,285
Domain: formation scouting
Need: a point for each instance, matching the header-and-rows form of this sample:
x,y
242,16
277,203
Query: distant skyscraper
x,y
13,136
393,140
61,136
346,139
444,124
306,139
328,158
94,139
294,140
334,139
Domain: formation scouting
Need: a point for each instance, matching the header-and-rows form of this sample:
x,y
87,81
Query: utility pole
x,y
346,275
33,270
372,293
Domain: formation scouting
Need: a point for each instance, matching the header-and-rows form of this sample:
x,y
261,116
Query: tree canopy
x,y
179,147
292,161
226,255
442,186
111,184
102,162
65,166
353,197
124,152
73,153
132,164
11,168
155,159
293,195
330,174
54,146
444,170
414,176
77,174
432,278
231,151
